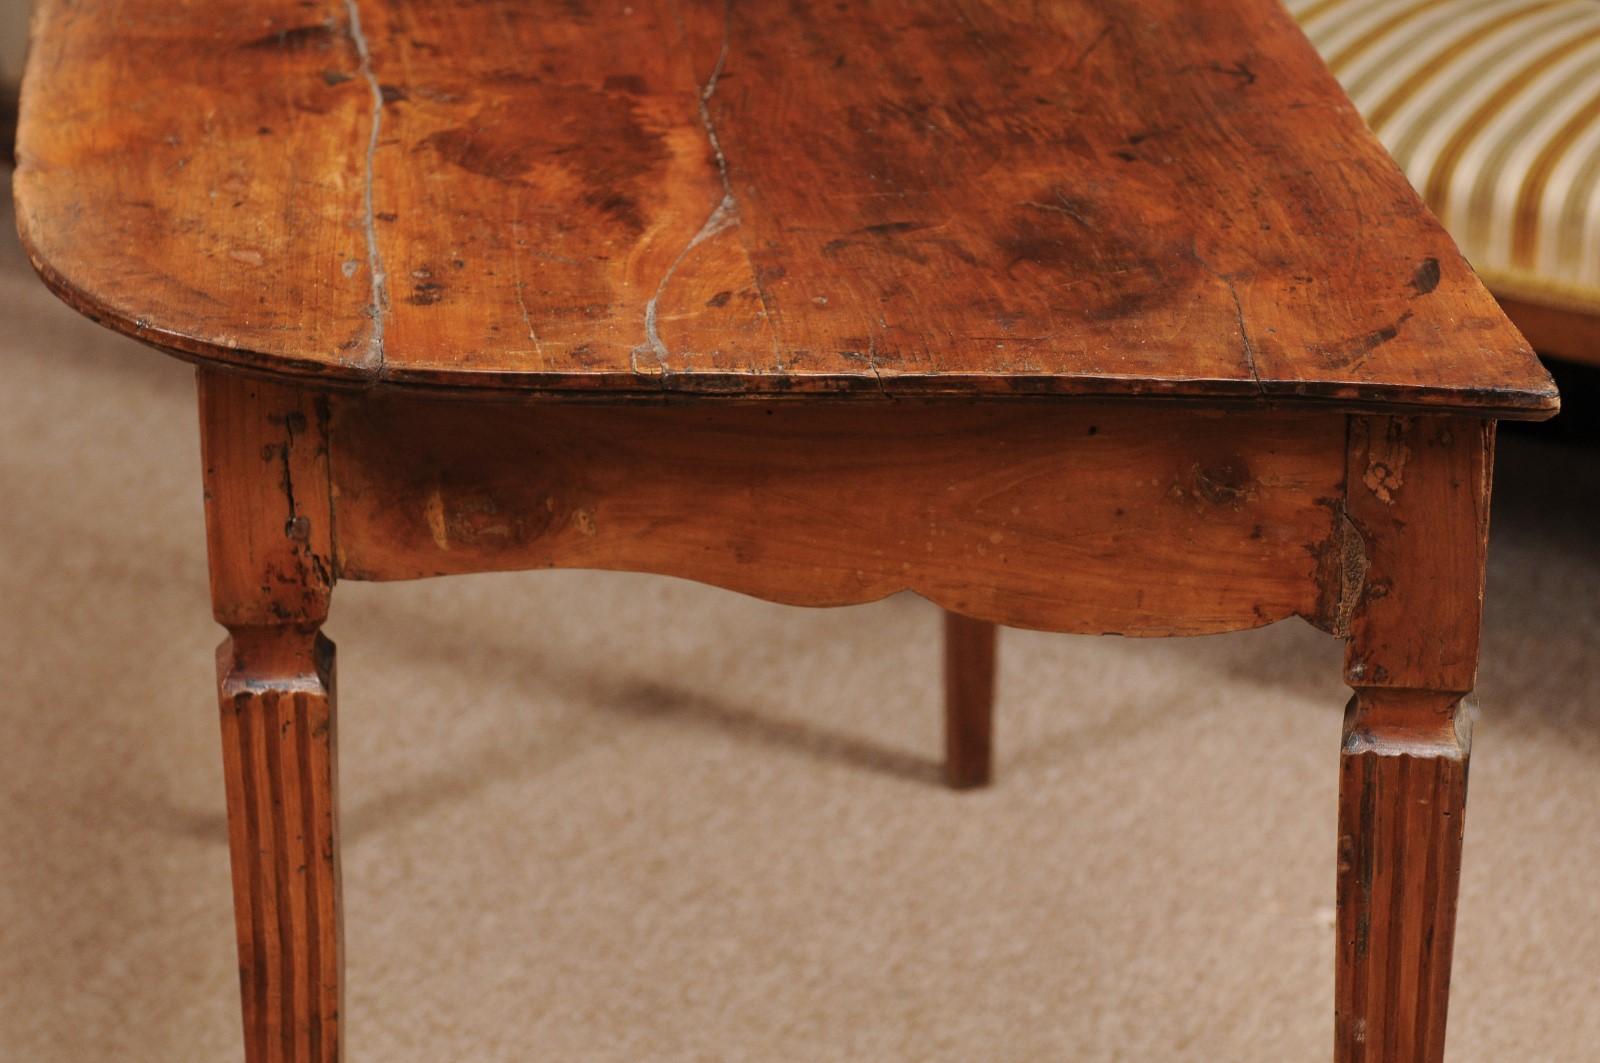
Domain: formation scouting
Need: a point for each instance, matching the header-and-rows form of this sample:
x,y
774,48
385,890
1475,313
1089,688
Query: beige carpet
x,y
609,817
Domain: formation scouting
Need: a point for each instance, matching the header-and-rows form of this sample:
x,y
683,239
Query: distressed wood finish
x,y
969,673
1021,514
1418,493
1419,497
278,753
268,521
1401,817
1146,336
269,518
754,198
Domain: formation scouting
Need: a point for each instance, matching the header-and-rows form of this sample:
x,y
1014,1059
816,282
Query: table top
x,y
613,198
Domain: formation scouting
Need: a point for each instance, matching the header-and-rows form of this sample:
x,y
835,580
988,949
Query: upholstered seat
x,y
1492,109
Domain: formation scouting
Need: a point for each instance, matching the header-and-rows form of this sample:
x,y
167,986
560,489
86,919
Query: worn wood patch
x,y
1090,518
279,753
1419,499
758,198
1402,812
268,521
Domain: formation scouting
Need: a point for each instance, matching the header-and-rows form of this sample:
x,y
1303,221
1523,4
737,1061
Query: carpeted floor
x,y
621,818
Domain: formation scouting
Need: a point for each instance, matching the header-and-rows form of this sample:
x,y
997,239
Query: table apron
x,y
1084,517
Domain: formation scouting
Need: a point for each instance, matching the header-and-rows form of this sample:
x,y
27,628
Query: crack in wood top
x,y
1089,199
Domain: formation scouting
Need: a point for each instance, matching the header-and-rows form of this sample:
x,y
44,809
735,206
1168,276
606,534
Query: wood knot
x,y
1224,484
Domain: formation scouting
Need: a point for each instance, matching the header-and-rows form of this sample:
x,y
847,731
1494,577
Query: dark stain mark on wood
x,y
426,293
895,240
632,84
317,36
1239,71
614,154
624,208
893,228
1348,352
509,76
1114,274
1426,278
476,150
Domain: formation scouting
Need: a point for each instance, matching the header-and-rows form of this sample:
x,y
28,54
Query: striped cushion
x,y
1492,108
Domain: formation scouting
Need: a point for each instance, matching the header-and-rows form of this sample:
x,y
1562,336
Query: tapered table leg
x,y
269,535
1402,805
278,754
1418,503
969,666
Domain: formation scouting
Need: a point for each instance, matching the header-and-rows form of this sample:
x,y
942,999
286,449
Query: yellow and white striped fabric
x,y
1492,109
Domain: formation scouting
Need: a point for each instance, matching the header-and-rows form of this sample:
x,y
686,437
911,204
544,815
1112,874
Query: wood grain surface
x,y
279,757
269,532
1418,494
269,526
751,197
1402,808
768,199
1086,517
969,680
1418,498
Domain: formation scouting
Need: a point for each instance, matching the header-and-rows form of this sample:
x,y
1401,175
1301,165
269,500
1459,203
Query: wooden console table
x,y
1089,316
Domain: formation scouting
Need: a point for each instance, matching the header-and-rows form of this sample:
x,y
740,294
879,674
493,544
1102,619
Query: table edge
x,y
867,385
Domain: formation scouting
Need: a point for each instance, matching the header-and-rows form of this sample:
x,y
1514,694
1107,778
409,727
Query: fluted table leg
x,y
269,535
1418,501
